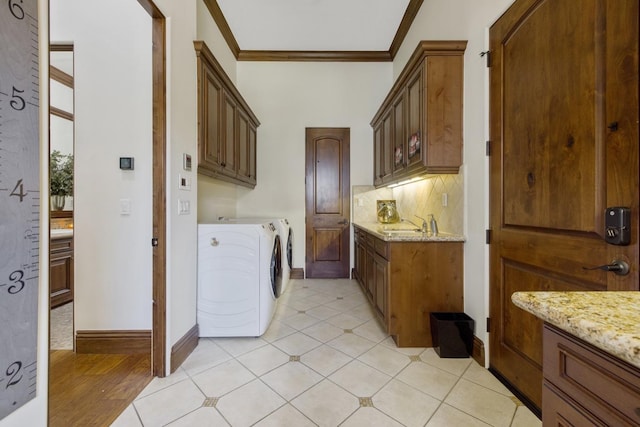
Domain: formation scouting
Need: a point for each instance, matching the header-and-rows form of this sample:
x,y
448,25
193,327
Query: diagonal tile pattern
x,y
325,361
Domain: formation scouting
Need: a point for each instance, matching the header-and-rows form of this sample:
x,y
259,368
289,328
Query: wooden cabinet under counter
x,y
61,271
584,386
407,280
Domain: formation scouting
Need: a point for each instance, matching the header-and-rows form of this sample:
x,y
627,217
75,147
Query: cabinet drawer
x,y
61,245
608,387
381,247
558,411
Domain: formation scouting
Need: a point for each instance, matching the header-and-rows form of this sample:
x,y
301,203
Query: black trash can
x,y
452,334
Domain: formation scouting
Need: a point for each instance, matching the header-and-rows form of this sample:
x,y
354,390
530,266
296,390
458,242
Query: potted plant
x,y
61,178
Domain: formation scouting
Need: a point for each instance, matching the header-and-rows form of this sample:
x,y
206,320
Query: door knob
x,y
621,268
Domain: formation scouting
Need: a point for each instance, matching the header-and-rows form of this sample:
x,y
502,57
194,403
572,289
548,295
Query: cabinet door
x,y
61,272
442,139
369,268
399,152
210,136
253,141
377,153
413,141
386,160
381,281
229,121
243,148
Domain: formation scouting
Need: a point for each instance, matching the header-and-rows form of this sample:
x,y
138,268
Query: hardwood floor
x,y
93,389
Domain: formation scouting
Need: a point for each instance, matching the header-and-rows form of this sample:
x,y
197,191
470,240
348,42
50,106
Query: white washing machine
x,y
286,238
239,277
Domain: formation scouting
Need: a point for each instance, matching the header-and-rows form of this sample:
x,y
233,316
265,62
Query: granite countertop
x,y
609,320
61,233
399,235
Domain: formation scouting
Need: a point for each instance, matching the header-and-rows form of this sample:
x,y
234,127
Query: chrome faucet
x,y
425,227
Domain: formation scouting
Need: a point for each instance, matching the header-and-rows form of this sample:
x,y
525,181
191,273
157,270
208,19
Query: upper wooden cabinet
x,y
227,128
418,128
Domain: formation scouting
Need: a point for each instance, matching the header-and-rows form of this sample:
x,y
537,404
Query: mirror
x,y
61,124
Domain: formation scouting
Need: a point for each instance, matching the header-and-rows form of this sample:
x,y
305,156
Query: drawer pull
x,y
214,242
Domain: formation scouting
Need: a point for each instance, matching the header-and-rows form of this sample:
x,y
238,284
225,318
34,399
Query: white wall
x,y
466,20
112,254
287,97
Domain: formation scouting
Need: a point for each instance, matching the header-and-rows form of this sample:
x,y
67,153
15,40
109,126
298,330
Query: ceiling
x,y
337,29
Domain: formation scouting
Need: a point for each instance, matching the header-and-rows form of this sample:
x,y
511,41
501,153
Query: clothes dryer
x,y
286,238
239,277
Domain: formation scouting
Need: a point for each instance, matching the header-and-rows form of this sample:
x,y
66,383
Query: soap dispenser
x,y
434,225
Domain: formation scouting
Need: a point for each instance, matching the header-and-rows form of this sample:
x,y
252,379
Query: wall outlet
x,y
445,199
184,183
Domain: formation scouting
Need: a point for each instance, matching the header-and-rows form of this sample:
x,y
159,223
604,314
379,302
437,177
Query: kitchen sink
x,y
399,230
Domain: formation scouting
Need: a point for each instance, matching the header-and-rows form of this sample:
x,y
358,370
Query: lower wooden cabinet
x,y
61,271
584,386
406,281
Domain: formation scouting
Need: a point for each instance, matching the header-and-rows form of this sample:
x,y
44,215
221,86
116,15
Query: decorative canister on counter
x,y
387,212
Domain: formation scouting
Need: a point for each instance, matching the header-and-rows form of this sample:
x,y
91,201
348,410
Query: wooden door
x,y
327,202
564,146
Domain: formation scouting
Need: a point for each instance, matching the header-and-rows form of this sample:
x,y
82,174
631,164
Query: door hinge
x,y
488,148
487,237
488,324
487,53
154,242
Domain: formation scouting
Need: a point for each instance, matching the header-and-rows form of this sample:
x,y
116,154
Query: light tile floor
x,y
324,361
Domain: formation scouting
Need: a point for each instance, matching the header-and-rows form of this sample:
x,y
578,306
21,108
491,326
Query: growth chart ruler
x,y
19,202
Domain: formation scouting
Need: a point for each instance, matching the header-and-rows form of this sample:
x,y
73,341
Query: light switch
x,y
125,206
184,207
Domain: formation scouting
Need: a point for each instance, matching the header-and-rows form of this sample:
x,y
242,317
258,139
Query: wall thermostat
x,y
186,161
126,163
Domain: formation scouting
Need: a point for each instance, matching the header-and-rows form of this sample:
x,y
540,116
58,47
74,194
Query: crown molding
x,y
223,25
314,56
409,15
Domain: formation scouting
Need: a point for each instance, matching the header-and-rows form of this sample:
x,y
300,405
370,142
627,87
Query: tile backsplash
x,y
418,198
